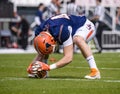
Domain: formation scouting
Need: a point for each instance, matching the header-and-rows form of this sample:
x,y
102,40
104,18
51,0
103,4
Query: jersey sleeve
x,y
38,30
68,42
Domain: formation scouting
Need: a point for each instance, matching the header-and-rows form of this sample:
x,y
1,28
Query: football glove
x,y
37,66
43,66
38,70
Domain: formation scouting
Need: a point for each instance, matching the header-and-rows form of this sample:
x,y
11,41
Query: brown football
x,y
41,74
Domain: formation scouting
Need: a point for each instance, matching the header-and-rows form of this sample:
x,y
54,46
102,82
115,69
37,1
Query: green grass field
x,y
67,80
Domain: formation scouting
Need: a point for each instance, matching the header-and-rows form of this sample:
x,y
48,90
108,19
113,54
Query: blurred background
x,y
19,19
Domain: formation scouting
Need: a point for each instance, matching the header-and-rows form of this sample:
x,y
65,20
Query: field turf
x,y
67,80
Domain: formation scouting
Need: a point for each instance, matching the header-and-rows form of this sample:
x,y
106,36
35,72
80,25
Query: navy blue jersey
x,y
58,26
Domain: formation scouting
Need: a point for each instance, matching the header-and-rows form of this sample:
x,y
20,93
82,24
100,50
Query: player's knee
x,y
78,40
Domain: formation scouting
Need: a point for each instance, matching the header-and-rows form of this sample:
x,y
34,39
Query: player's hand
x,y
37,66
43,66
29,69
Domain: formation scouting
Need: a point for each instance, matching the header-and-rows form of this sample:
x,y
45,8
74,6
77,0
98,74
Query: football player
x,y
65,30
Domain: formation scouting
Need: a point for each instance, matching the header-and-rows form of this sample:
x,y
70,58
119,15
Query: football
x,y
41,74
35,72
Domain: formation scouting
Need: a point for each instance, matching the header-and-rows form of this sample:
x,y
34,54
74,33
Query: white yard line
x,y
88,67
86,80
59,79
69,67
12,78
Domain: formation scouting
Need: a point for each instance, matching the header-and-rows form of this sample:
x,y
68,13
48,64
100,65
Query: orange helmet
x,y
44,43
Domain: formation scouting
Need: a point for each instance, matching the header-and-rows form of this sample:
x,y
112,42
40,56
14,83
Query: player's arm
x,y
68,54
67,58
38,58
